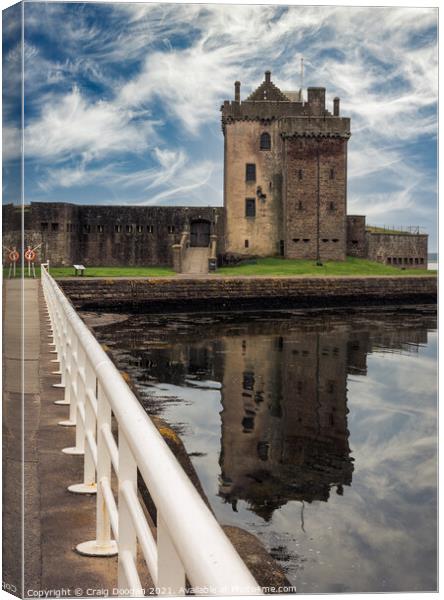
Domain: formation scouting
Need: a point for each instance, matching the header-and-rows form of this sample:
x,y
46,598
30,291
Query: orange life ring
x,y
13,256
30,255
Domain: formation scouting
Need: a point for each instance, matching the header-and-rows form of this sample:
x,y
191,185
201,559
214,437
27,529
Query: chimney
x,y
267,76
237,91
336,107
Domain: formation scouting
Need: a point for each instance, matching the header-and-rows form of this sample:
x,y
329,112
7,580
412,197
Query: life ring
x,y
13,256
30,255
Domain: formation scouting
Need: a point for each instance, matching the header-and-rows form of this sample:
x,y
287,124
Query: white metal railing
x,y
189,543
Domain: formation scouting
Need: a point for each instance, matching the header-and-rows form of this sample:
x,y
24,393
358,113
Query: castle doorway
x,y
200,233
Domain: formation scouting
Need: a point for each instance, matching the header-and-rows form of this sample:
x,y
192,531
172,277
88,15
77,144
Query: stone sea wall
x,y
217,293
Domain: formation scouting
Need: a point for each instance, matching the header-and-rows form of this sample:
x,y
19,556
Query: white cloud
x,y
72,126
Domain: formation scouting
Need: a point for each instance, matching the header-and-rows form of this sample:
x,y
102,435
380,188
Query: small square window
x,y
250,172
44,226
332,206
250,207
306,240
54,226
117,228
86,228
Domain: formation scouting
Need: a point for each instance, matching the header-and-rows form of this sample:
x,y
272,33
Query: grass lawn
x,y
103,271
286,267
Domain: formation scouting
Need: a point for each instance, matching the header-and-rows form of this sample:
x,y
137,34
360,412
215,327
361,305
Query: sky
x,y
122,101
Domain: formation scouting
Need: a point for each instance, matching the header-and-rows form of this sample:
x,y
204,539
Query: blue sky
x,y
122,100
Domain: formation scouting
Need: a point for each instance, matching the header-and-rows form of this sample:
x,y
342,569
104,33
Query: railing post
x,y
171,574
70,373
62,348
77,392
128,579
87,387
103,545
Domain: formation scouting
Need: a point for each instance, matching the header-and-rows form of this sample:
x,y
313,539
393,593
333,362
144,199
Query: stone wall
x,y
220,293
107,235
403,250
315,196
356,239
256,235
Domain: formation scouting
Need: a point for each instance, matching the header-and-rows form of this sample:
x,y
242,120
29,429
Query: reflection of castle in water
x,y
284,419
284,400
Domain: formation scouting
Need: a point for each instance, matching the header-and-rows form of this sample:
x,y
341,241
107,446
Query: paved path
x,y
54,519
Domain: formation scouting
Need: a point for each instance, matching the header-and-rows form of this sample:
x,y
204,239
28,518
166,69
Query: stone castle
x,y
285,194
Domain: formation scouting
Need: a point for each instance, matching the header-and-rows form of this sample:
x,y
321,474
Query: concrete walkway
x,y
55,520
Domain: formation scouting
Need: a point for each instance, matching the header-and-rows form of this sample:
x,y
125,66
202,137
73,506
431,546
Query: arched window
x,y
265,141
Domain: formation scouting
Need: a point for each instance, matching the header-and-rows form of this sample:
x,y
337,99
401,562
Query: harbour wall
x,y
218,293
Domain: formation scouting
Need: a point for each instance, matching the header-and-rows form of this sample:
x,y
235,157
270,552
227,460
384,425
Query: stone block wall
x,y
356,238
218,293
403,250
315,182
107,235
260,234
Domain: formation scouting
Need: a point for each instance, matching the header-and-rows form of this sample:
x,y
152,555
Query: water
x,y
314,430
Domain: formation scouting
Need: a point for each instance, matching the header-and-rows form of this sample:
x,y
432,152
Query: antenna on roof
x,y
302,79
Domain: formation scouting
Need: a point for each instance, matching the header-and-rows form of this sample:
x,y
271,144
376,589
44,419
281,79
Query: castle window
x,y
44,226
247,243
250,172
54,226
400,261
171,229
129,228
250,207
300,174
411,261
395,260
332,206
335,240
265,143
389,260
421,260
324,240
117,228
355,242
139,228
86,228
150,228
306,240
300,205
332,174
296,240
99,228
69,227
416,261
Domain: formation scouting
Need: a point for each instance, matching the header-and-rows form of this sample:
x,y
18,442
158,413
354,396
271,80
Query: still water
x,y
316,431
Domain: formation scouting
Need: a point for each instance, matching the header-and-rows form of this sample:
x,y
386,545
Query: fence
x,y
189,543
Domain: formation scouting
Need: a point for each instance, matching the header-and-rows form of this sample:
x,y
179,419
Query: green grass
x,y
103,271
286,267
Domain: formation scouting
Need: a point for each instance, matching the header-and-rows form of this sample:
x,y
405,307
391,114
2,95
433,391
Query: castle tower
x,y
285,174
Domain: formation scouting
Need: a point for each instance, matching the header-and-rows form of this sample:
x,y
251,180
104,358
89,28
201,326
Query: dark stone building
x,y
285,193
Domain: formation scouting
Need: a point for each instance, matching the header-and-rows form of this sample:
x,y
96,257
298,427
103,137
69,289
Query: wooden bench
x,y
79,270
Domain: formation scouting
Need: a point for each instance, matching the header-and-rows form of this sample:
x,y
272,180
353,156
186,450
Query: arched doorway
x,y
200,233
